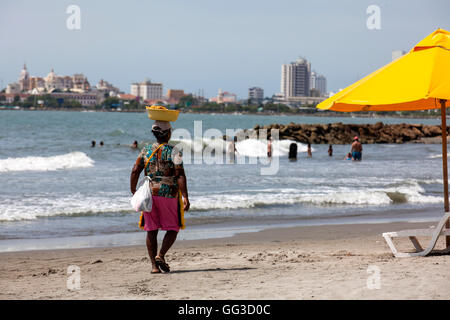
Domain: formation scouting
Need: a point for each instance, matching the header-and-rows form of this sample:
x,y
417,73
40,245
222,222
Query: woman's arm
x,y
134,177
183,188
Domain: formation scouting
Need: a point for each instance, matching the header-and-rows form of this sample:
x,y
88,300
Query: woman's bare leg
x,y
168,241
152,248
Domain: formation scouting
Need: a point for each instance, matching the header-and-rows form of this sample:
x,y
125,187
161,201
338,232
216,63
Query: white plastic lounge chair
x,y
439,230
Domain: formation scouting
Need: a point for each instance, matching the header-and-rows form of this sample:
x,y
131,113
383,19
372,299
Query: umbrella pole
x,y
444,163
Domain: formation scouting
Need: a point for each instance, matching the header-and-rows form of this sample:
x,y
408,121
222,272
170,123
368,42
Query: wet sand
x,y
319,262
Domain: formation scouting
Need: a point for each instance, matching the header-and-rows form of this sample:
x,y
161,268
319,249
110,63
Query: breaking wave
x,y
34,206
322,197
72,160
45,205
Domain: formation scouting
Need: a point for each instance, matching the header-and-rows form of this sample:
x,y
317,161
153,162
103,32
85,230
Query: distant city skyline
x,y
207,45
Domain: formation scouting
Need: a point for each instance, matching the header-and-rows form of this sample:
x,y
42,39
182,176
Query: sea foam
x,y
72,160
35,206
247,147
214,203
319,196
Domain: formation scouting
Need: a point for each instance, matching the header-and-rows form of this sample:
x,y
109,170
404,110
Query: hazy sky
x,y
209,44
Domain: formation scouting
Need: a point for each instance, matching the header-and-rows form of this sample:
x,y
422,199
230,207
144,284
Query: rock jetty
x,y
339,133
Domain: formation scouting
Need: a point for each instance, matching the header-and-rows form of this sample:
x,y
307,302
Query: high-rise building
x,y
151,91
318,83
295,78
147,90
321,85
255,95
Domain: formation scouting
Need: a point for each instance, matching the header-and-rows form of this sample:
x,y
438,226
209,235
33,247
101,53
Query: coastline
x,y
214,229
307,114
314,262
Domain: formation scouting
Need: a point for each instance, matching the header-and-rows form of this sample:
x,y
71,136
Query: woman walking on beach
x,y
164,165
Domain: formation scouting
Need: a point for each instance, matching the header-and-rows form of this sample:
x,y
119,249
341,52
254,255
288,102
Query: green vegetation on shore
x,y
191,104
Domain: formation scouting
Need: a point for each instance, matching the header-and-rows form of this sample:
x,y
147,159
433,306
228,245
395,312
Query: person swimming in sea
x,y
349,156
134,145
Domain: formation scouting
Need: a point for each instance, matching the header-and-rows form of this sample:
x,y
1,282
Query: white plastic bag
x,y
142,198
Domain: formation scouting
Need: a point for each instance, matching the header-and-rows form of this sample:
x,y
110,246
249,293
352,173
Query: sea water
x,y
54,185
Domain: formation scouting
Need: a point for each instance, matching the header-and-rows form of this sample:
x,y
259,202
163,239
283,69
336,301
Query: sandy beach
x,y
321,262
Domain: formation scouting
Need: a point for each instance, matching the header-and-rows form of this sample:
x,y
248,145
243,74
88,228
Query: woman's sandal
x,y
160,263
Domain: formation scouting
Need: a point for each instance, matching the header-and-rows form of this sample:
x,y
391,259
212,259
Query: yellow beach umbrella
x,y
419,80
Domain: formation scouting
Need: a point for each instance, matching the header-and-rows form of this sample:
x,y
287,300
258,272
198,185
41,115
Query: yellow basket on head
x,y
162,113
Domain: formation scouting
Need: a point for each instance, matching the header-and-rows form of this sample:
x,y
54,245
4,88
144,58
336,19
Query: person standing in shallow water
x,y
231,150
165,168
309,150
356,149
269,147
330,150
293,151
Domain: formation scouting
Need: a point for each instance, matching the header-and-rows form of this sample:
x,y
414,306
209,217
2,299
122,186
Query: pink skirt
x,y
164,215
